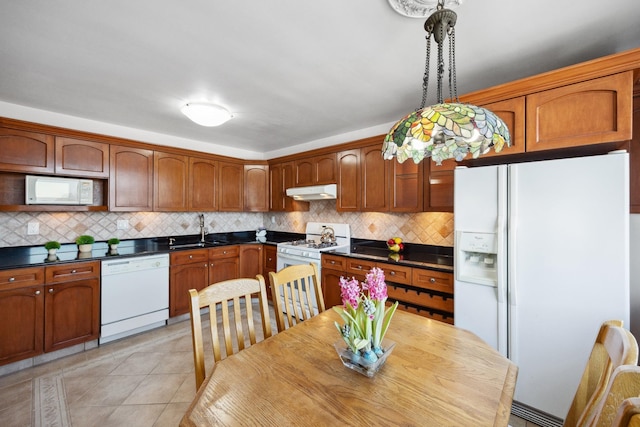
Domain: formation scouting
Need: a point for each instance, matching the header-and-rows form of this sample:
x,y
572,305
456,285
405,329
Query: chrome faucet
x,y
203,232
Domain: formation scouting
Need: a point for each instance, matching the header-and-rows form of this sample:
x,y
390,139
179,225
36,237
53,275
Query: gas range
x,y
319,237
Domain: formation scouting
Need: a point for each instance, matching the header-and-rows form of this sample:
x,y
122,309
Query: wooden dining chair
x,y
614,346
624,384
218,298
628,414
296,292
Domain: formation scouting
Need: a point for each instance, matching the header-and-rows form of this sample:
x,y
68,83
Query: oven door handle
x,y
295,259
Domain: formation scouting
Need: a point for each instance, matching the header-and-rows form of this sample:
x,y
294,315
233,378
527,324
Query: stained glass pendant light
x,y
445,130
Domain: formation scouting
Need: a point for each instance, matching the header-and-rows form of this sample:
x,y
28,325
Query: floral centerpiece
x,y
366,316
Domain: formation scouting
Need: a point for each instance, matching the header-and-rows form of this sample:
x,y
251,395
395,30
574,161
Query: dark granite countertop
x,y
413,255
34,256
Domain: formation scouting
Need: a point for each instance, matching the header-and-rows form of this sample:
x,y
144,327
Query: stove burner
x,y
322,245
301,242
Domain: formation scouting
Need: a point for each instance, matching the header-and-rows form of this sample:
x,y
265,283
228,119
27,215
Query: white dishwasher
x,y
134,295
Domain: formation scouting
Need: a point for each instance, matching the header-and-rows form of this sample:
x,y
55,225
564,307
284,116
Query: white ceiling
x,y
295,73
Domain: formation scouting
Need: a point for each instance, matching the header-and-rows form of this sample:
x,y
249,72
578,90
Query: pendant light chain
x,y
453,85
425,78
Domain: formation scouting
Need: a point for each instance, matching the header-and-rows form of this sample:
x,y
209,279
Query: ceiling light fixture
x,y
206,114
444,130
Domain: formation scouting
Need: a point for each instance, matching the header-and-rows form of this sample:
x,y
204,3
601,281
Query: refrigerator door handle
x,y
512,229
501,262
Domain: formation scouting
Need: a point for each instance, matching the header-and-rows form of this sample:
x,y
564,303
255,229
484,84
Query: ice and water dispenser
x,y
477,257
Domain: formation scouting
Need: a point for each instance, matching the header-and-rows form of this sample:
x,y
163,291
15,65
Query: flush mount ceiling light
x,y
444,130
206,114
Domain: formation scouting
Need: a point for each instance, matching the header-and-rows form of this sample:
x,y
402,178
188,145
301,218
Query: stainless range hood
x,y
314,192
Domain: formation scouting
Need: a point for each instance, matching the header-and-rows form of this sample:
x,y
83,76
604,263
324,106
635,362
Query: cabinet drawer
x,y
188,257
359,266
224,252
12,279
396,273
434,280
424,299
426,313
70,272
333,262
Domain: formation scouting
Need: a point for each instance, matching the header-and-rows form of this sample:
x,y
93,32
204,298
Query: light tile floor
x,y
144,380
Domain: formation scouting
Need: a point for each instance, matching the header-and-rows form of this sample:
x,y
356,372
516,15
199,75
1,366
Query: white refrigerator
x,y
542,259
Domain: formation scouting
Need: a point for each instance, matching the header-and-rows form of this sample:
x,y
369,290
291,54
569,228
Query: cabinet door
x,y
276,188
407,191
438,186
349,181
21,323
203,180
330,280
375,179
256,188
634,159
304,172
131,179
26,151
181,279
269,263
82,158
251,259
72,313
512,113
224,263
231,186
325,169
170,182
591,112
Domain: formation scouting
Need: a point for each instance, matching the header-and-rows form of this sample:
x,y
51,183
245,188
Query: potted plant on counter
x,y
52,246
113,243
85,243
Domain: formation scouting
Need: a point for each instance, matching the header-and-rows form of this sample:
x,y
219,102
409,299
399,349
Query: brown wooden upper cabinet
x,y
256,188
316,170
131,179
203,178
24,151
170,182
230,189
363,180
281,177
438,186
512,113
349,181
76,157
590,112
406,185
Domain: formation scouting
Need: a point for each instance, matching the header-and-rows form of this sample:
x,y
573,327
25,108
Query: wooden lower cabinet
x,y
425,292
43,309
269,264
250,259
187,270
21,323
224,263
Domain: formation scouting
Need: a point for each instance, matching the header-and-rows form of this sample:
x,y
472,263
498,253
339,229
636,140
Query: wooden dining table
x,y
437,375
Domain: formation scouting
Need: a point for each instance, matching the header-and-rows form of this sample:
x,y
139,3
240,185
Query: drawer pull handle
x,y
393,273
37,292
74,271
432,280
50,290
12,279
190,256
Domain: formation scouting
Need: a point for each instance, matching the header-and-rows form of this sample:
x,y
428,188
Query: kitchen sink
x,y
206,244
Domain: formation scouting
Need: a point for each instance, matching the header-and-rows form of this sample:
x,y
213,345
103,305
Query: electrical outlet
x,y
33,228
123,224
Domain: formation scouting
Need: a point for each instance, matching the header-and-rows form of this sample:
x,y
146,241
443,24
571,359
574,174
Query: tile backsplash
x,y
432,228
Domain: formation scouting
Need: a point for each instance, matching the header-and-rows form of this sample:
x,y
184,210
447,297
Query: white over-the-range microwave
x,y
48,190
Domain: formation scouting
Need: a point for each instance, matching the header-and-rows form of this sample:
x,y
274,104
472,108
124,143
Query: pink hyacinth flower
x,y
376,285
349,292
